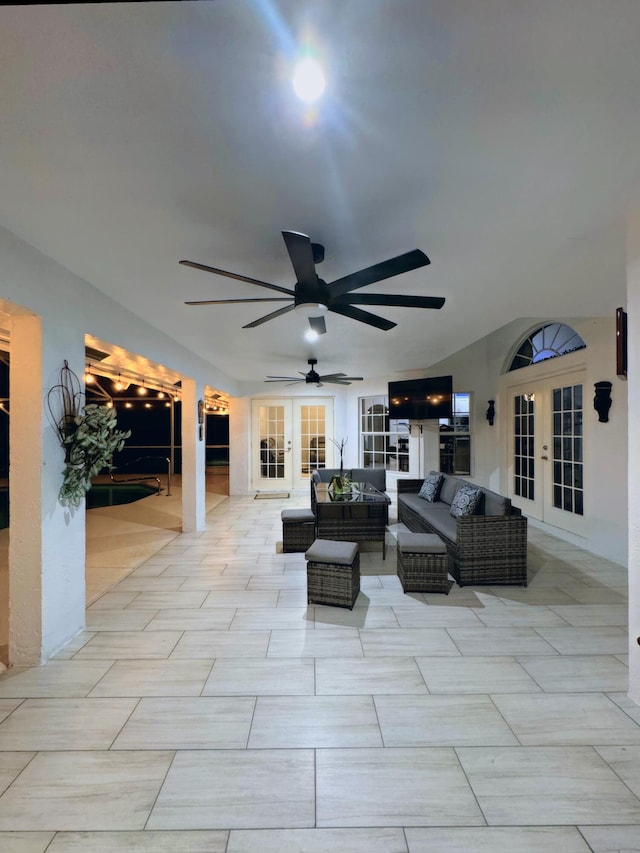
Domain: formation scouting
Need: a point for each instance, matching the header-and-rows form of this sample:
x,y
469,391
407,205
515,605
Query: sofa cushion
x,y
466,501
450,486
495,504
430,489
437,515
376,476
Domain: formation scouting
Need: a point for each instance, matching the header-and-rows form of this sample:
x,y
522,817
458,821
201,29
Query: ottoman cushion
x,y
331,551
298,515
421,543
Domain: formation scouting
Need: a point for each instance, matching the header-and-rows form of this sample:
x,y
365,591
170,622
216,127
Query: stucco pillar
x,y
193,458
633,311
46,541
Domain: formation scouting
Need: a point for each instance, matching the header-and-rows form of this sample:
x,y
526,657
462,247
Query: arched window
x,y
548,341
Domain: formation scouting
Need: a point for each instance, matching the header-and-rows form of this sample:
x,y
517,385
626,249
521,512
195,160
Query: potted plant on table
x,y
340,483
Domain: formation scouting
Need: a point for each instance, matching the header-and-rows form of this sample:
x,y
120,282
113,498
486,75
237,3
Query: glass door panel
x,y
547,452
291,438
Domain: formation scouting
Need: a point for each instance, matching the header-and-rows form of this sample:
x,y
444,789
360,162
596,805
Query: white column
x,y
193,459
633,465
46,541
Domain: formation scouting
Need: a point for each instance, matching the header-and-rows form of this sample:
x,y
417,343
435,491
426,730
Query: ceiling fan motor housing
x,y
312,378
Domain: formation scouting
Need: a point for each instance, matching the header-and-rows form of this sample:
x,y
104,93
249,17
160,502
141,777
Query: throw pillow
x,y
430,489
466,501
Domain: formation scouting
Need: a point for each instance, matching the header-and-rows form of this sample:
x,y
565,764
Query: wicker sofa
x,y
488,547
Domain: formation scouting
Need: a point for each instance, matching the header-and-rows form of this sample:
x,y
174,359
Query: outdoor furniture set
x,y
456,527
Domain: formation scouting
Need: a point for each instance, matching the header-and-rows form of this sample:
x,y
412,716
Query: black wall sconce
x,y
201,420
491,412
602,400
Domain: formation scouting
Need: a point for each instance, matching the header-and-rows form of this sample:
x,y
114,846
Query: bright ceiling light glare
x,y
311,336
308,80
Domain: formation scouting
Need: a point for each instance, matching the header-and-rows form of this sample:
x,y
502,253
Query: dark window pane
x,y
557,497
566,398
577,476
577,423
557,448
568,474
531,426
566,448
577,396
568,499
579,510
556,400
557,424
557,472
577,449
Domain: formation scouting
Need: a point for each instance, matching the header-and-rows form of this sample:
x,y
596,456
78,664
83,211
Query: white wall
x,y
480,367
48,607
633,309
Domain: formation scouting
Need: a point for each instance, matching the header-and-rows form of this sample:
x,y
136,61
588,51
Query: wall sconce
x,y
602,400
201,420
491,412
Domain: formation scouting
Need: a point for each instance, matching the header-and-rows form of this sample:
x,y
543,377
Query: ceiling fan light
x,y
310,309
308,80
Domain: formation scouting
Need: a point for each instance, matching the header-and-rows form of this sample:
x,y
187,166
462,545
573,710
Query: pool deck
x,y
120,538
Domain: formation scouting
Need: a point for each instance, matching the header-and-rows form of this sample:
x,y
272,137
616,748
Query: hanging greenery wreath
x,y
87,433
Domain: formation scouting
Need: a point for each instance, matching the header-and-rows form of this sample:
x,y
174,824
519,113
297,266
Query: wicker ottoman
x,y
423,563
333,573
298,529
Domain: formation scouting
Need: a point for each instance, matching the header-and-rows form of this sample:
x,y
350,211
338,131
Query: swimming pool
x,y
104,494
114,494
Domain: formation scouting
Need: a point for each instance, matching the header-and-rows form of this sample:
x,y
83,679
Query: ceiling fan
x,y
315,296
313,378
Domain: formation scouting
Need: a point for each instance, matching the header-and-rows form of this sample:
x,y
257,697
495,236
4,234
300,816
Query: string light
x,y
88,375
118,384
142,390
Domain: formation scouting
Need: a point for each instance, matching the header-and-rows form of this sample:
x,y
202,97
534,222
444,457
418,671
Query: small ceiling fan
x,y
313,378
316,296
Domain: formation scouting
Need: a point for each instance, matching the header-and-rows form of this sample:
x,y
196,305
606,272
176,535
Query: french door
x,y
546,470
290,438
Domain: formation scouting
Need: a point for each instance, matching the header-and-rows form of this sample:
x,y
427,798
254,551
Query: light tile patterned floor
x,y
208,709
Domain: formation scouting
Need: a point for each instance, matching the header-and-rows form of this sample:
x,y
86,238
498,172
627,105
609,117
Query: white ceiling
x,y
501,137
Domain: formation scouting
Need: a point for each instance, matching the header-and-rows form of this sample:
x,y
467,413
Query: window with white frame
x,y
384,441
455,437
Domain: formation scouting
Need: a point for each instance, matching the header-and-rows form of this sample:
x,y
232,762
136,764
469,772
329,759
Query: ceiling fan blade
x,y
363,316
386,269
291,379
301,254
271,316
237,277
318,325
341,377
390,300
235,301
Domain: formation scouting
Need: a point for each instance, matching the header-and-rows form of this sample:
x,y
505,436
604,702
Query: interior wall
x,y
480,367
67,308
633,310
